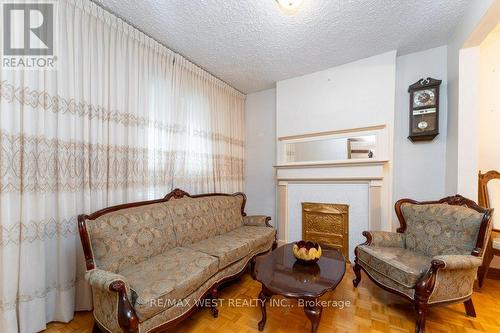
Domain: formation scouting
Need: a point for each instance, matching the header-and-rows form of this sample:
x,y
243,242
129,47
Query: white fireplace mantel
x,y
362,169
337,174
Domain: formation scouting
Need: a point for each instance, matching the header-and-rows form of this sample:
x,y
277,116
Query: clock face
x,y
425,97
423,125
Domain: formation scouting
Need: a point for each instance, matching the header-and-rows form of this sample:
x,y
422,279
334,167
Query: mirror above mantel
x,y
342,146
331,149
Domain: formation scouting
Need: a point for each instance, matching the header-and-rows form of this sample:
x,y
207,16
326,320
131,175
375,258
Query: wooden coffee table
x,y
280,274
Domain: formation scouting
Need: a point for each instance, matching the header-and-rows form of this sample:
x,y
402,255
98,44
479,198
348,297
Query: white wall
x,y
489,118
489,110
357,94
260,185
419,168
350,96
468,122
474,14
463,144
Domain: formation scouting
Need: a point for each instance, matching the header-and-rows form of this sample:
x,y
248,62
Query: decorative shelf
x,y
331,164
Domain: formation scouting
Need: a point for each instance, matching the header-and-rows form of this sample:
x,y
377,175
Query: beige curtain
x,y
210,126
122,118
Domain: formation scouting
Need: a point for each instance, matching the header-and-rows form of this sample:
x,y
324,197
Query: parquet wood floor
x,y
372,310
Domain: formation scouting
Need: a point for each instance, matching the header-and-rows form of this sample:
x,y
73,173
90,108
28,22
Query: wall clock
x,y
424,109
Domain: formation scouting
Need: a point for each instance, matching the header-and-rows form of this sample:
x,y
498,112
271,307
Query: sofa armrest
x,y
449,278
257,220
384,238
112,306
104,280
451,262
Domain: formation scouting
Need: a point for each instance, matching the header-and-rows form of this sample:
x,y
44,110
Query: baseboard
x,y
281,242
493,273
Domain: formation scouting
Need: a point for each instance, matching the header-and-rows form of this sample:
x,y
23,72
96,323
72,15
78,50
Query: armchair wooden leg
x,y
357,272
469,308
421,312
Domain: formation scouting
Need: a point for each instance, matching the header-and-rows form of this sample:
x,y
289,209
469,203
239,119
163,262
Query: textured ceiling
x,y
252,44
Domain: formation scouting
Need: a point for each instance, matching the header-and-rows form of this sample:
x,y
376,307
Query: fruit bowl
x,y
306,252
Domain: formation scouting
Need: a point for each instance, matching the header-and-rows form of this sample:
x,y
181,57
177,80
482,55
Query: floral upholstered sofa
x,y
433,257
150,263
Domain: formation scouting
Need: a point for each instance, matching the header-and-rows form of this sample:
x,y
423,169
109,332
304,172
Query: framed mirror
x,y
331,149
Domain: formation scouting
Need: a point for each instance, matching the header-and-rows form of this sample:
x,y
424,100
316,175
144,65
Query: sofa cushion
x,y
389,283
400,265
254,236
185,305
228,249
167,277
441,229
227,212
129,236
193,219
196,219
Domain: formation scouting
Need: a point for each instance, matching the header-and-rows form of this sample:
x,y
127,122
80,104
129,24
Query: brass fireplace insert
x,y
327,224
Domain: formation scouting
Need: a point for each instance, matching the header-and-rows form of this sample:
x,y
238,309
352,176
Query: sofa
x,y
433,257
151,263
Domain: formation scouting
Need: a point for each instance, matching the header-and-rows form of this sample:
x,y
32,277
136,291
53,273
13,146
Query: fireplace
x,y
327,224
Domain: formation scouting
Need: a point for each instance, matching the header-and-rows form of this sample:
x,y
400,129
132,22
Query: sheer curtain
x,y
214,140
121,119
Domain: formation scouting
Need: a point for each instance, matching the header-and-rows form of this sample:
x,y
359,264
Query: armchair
x,y
432,258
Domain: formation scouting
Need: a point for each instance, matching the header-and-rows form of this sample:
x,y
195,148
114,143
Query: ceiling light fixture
x,y
289,7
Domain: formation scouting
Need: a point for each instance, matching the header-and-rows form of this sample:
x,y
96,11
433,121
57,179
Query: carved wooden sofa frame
x,y
425,284
127,317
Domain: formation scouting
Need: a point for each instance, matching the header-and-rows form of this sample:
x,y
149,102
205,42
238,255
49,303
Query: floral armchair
x,y
433,257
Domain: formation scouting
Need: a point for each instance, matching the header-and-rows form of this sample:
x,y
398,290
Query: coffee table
x,y
280,274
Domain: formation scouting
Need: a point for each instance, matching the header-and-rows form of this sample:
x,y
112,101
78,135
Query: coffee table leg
x,y
264,296
314,315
